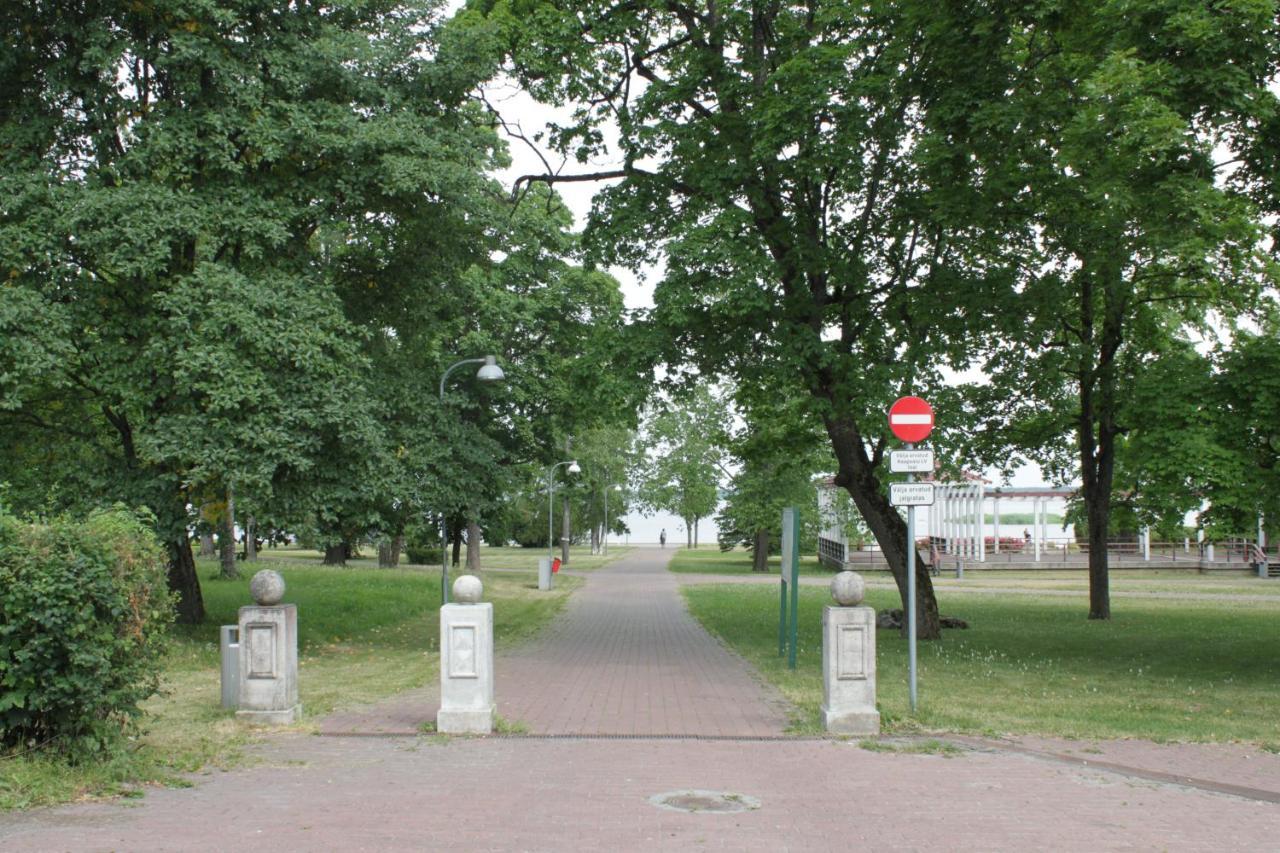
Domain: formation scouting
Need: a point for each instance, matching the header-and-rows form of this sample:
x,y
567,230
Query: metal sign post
x,y
787,627
911,420
911,597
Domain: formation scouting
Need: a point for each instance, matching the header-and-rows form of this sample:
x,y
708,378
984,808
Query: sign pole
x,y
795,587
911,596
782,619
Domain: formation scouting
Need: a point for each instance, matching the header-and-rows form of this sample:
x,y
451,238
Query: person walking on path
x,y
662,538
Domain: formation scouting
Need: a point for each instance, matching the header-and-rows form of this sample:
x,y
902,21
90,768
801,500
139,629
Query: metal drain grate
x,y
704,802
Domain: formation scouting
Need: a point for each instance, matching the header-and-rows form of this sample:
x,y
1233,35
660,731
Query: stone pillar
x,y
466,661
269,655
849,660
544,573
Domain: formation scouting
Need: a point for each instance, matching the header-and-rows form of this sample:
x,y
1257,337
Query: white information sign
x,y
911,494
911,462
789,524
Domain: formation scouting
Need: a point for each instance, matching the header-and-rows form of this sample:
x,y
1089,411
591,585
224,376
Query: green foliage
x,y
1243,478
682,443
83,618
775,457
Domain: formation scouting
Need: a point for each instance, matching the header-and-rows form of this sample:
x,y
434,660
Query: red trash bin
x,y
555,565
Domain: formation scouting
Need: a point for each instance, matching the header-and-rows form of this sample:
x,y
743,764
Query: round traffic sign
x,y
911,419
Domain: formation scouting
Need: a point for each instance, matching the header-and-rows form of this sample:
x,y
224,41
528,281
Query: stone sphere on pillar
x,y
467,589
848,589
267,587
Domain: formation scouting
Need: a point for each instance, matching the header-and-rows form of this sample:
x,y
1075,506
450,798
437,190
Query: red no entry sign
x,y
911,419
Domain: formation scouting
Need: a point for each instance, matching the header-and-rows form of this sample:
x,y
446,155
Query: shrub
x,y
83,612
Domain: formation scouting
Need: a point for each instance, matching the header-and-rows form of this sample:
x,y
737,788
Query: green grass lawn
x,y
735,562
1163,670
364,634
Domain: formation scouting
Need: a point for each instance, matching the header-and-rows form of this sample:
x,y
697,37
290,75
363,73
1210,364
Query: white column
x,y
968,505
996,511
1146,543
946,519
980,517
1035,525
1262,534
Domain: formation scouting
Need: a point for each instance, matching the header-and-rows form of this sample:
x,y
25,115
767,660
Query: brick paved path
x,y
625,657
313,793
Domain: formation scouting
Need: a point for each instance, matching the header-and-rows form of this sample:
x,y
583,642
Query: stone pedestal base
x,y
544,573
465,722
272,718
849,670
269,664
466,669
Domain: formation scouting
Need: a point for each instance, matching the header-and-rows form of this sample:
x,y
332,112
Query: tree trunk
x,y
473,547
1096,430
856,475
457,546
207,548
688,533
184,581
335,555
565,530
696,521
397,548
760,551
1097,467
251,539
384,554
227,538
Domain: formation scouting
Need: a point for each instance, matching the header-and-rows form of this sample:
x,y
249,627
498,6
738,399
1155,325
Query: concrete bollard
x,y
229,645
466,661
849,660
544,573
269,655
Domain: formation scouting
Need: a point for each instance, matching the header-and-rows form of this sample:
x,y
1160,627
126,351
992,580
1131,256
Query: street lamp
x,y
489,372
551,486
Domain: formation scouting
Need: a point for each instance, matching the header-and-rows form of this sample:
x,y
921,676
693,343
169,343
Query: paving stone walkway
x,y
623,658
626,658
321,793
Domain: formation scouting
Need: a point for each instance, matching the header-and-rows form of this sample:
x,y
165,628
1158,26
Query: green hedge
x,y
84,608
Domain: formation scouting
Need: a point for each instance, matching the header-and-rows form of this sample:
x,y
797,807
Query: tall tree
x,y
807,170
683,444
1116,117
176,182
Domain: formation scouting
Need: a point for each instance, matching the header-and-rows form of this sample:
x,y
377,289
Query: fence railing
x,y
1064,550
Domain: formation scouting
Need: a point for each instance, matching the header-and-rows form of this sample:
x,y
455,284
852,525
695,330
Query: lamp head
x,y
573,467
489,371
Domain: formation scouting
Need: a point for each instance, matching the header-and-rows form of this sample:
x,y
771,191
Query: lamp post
x,y
489,372
551,487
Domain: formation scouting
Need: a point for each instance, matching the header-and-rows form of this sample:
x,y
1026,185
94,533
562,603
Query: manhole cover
x,y
704,802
